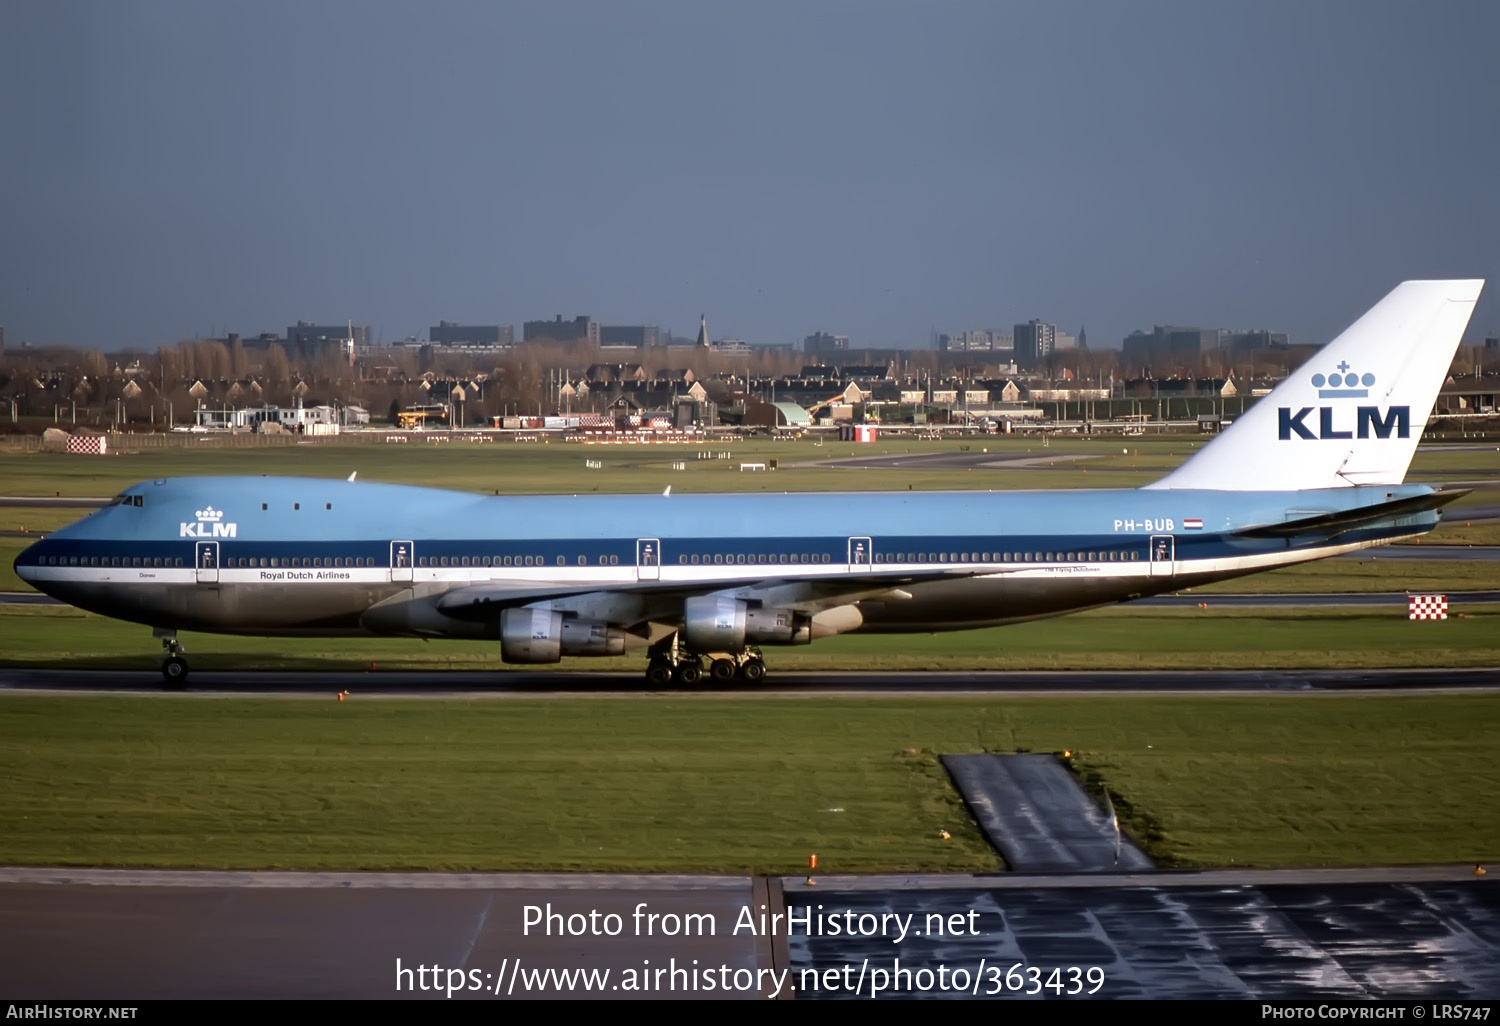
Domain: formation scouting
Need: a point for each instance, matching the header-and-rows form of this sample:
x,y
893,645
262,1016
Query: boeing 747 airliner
x,y
1314,469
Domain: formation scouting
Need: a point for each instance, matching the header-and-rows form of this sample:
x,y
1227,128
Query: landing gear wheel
x,y
754,671
659,673
688,673
722,671
174,671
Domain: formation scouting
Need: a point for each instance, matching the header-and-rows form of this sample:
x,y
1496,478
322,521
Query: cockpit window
x,y
127,500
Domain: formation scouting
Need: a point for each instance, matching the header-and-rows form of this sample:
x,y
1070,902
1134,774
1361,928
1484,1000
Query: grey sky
x,y
874,169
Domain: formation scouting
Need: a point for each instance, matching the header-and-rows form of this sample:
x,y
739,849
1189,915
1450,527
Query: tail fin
x,y
1354,413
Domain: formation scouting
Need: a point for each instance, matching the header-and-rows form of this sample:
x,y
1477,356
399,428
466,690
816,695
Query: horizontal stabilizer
x,y
1349,519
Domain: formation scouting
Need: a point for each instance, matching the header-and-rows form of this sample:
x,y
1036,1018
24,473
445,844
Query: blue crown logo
x,y
1344,385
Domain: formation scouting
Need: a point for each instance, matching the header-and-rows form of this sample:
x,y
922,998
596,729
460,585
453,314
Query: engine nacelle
x,y
716,624
544,636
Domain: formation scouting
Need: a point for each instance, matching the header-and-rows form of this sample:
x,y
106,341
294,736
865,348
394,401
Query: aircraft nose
x,y
27,564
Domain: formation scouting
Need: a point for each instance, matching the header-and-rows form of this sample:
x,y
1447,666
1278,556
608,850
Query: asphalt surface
x,y
513,685
130,935
1423,932
1352,598
1040,819
56,502
1188,598
1295,940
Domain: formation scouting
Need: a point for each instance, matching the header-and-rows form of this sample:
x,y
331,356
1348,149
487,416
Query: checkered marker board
x,y
1427,607
88,445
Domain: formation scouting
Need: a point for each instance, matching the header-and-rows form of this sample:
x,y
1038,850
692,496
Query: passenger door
x,y
648,559
861,554
1163,555
403,557
206,559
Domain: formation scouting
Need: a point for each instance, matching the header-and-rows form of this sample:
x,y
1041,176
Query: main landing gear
x,y
673,664
174,666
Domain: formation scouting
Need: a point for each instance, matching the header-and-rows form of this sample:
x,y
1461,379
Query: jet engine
x,y
545,636
715,624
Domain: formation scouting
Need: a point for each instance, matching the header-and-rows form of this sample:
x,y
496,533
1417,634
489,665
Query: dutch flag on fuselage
x,y
1192,524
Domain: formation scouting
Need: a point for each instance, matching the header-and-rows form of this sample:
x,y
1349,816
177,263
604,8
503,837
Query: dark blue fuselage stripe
x,y
1191,545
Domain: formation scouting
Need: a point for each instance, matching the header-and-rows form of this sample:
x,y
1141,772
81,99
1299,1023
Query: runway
x,y
1415,932
502,685
1186,598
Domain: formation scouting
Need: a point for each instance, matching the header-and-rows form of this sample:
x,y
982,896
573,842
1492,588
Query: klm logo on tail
x,y
1369,421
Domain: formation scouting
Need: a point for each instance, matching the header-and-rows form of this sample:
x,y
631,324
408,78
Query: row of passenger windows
x,y
123,561
696,559
508,561
1008,557
740,558
310,561
761,557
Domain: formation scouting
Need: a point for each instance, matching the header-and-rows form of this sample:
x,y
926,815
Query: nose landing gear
x,y
174,666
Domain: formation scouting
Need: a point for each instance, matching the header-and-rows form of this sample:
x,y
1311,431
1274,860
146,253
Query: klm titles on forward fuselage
x,y
1369,421
208,525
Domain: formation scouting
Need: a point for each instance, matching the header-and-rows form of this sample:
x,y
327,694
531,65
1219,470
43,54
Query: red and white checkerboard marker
x,y
1427,607
88,445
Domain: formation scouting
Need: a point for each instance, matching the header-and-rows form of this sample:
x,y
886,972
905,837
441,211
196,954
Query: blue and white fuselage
x,y
1313,470
305,556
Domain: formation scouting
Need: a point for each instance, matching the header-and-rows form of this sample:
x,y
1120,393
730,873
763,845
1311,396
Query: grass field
x,y
716,783
559,467
726,785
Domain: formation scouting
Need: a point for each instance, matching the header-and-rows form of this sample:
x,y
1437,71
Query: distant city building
x,y
579,329
977,342
265,340
447,333
1034,342
1170,342
822,342
311,341
702,331
635,336
1247,341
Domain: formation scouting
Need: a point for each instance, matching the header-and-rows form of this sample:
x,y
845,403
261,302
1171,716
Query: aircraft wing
x,y
647,600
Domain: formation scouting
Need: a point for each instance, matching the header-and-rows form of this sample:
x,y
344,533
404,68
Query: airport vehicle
x,y
419,416
1314,469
